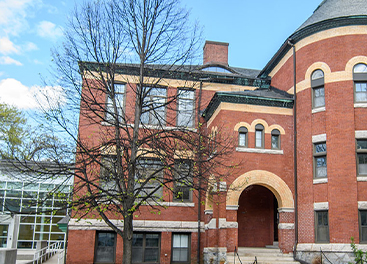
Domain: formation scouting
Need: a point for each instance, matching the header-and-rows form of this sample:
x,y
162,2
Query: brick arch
x,y
351,63
264,178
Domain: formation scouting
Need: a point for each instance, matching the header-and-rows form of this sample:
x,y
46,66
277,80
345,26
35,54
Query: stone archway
x,y
282,194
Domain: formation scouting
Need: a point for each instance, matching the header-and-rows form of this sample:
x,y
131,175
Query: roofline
x,y
308,31
224,97
194,75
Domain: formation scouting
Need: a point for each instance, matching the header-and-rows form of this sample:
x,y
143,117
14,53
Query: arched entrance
x,y
274,193
257,217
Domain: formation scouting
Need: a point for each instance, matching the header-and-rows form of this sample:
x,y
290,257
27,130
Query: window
x,y
275,139
216,69
107,172
319,154
185,108
322,226
105,247
362,156
149,172
318,90
181,248
360,83
242,137
119,91
363,226
259,136
146,248
183,181
154,106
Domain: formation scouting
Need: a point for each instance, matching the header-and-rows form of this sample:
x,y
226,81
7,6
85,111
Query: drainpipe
x,y
295,149
200,171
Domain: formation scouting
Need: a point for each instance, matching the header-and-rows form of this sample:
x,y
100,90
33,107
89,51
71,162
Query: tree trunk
x,y
127,239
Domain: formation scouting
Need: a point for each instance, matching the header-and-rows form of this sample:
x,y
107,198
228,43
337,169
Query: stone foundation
x,y
215,255
334,253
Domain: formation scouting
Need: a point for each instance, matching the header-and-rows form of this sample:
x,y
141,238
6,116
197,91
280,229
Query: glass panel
x,y
25,244
362,163
137,240
151,255
360,68
180,254
26,232
321,147
14,193
242,139
274,141
15,185
12,205
319,97
105,247
321,169
364,234
185,108
363,218
258,135
317,74
361,97
154,107
152,240
361,144
137,255
3,235
216,69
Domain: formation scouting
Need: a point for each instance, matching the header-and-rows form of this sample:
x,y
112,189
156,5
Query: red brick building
x,y
302,178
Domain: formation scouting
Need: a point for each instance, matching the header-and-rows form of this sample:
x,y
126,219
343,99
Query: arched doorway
x,y
257,217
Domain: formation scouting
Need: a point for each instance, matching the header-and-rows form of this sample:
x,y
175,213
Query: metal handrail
x,y
236,253
255,262
43,254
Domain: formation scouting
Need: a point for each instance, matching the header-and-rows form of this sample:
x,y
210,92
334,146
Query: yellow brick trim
x,y
266,179
352,62
272,127
242,124
326,34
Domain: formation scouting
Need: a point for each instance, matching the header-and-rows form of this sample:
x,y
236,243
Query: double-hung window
x,y
180,248
360,83
185,108
117,95
362,157
318,89
183,181
242,136
146,248
105,247
154,106
108,172
148,177
259,136
320,164
275,139
322,226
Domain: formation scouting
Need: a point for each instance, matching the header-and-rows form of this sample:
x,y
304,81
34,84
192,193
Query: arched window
x,y
318,89
259,136
360,83
242,136
275,139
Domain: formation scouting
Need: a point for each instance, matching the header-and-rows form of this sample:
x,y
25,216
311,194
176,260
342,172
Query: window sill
x,y
154,127
261,151
319,109
360,105
361,178
319,181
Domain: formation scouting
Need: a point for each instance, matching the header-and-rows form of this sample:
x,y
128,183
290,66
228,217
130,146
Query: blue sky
x,y
30,28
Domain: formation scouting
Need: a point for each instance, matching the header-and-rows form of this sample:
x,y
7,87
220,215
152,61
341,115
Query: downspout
x,y
295,149
200,171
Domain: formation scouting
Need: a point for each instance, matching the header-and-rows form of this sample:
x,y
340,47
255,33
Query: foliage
x,y
360,256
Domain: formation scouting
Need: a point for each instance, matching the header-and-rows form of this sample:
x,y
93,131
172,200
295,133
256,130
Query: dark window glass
x,y
320,163
322,226
360,83
146,248
259,136
183,181
181,248
363,226
150,172
108,172
361,146
275,139
105,247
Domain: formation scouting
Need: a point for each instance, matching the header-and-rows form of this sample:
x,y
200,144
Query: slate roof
x,y
330,9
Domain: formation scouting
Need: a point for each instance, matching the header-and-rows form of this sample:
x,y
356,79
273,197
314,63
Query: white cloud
x,y
38,62
29,46
13,14
7,47
49,30
6,60
13,92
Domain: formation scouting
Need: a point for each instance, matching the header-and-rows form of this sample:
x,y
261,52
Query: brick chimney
x,y
215,53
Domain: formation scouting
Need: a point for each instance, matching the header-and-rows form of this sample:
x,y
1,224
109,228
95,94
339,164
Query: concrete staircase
x,y
263,255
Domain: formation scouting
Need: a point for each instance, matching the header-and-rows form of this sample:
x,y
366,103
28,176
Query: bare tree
x,y
131,148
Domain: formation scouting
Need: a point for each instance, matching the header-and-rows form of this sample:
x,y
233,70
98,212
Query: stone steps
x,y
263,255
